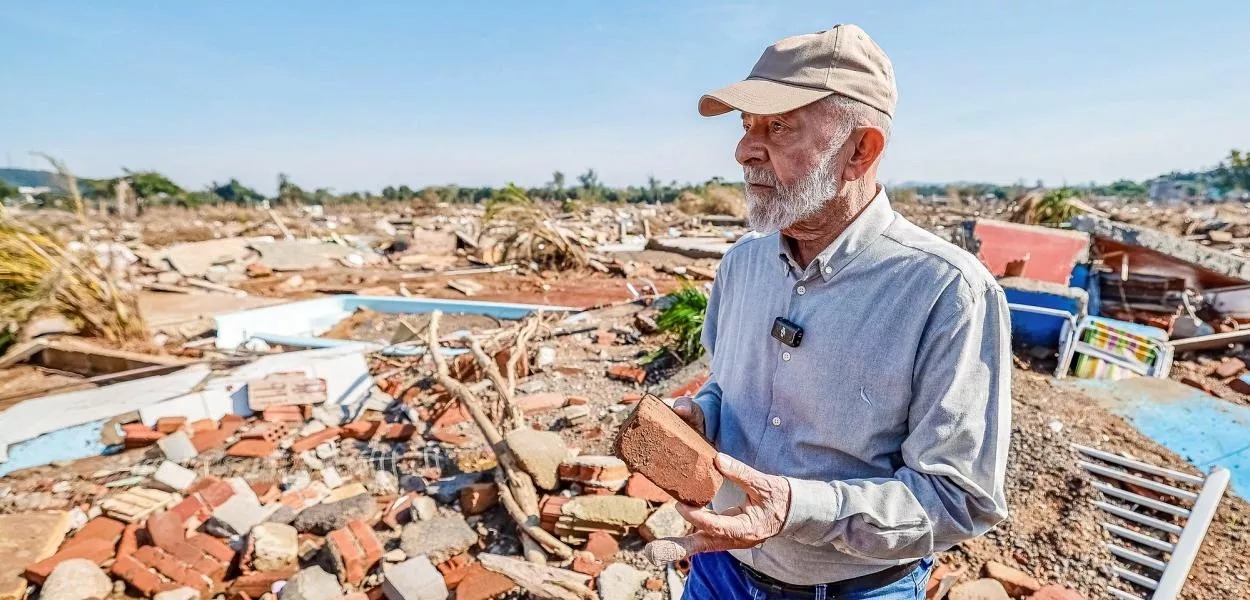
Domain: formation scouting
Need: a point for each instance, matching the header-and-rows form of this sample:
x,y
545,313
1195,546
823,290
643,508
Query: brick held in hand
x,y
656,442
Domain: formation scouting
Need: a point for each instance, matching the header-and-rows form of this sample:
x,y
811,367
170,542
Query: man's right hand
x,y
689,411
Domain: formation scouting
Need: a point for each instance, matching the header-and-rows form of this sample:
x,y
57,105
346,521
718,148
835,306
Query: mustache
x,y
760,175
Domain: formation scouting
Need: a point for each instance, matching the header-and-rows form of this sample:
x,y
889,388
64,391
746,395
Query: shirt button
x,y
776,421
828,269
785,356
801,290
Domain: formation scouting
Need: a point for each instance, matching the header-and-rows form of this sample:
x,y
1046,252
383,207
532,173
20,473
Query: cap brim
x,y
759,97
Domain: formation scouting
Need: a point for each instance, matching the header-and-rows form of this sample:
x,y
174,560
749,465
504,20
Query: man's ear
x,y
868,149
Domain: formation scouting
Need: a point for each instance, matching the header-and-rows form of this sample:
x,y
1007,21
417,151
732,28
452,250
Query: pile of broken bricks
x,y
290,503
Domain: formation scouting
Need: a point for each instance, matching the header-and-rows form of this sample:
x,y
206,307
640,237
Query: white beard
x,y
786,206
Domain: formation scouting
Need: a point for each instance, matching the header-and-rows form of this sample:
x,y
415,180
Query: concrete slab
x,y
1201,428
693,247
25,539
1153,252
300,255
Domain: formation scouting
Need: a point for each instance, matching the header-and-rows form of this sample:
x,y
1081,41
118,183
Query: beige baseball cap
x,y
802,69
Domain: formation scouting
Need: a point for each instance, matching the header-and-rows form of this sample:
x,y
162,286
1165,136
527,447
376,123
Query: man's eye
x,y
777,127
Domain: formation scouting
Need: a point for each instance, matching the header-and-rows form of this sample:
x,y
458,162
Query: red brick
x,y
599,471
259,584
602,545
266,491
449,436
477,498
480,583
210,439
169,425
536,403
638,486
197,561
141,438
660,445
1017,583
1056,592
191,508
283,414
397,513
690,387
203,425
232,422
137,575
95,550
454,569
355,549
166,530
171,568
577,401
453,414
585,563
252,449
631,399
129,541
213,547
99,528
627,373
314,440
215,494
361,430
400,432
270,432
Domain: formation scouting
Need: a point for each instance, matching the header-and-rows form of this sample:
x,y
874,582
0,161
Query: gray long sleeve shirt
x,y
891,418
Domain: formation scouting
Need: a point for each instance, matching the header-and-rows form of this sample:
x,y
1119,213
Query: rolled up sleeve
x,y
951,485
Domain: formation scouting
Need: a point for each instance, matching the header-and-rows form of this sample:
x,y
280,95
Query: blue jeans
x,y
718,576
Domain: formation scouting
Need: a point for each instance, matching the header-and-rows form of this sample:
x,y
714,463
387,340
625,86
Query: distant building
x,y
1167,191
28,193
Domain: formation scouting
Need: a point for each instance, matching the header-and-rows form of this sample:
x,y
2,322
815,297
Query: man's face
x,y
791,164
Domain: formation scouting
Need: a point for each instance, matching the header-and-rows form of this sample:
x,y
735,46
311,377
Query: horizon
x,y
388,95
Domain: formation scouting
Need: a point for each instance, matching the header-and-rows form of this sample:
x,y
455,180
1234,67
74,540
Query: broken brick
x,y
627,373
166,530
690,387
577,401
135,573
203,425
259,584
606,472
312,441
355,549
139,438
129,541
171,424
536,403
172,568
477,498
587,564
285,414
361,430
630,399
454,569
660,445
397,512
270,432
95,550
480,583
214,494
602,545
638,486
99,528
399,432
252,448
266,491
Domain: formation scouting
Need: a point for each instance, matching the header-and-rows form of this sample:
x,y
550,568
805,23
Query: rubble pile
x,y
525,456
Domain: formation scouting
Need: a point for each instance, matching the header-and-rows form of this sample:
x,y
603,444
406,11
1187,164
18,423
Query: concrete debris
x,y
324,518
177,447
237,516
313,583
26,539
414,579
274,547
76,579
174,476
285,389
539,453
438,538
603,472
665,522
620,581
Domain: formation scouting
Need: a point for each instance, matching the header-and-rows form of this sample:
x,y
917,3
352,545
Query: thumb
x,y
683,406
738,471
667,550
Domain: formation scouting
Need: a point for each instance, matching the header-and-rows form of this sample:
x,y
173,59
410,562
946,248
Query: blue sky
x,y
364,94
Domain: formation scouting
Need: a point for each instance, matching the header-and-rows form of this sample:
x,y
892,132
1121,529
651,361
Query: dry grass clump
x,y
714,200
41,276
527,234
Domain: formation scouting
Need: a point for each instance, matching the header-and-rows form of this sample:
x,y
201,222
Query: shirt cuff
x,y
710,405
814,508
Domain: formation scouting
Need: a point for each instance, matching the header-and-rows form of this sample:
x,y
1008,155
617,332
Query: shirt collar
x,y
870,223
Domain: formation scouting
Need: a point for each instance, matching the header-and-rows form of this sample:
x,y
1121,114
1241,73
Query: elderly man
x,y
860,365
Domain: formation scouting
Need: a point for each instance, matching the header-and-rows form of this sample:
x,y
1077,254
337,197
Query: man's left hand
x,y
760,517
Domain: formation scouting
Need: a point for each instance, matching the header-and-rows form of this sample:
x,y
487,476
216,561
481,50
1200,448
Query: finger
x,y
723,525
667,550
738,471
684,406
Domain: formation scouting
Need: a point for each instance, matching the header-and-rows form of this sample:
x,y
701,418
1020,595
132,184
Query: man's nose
x,y
750,150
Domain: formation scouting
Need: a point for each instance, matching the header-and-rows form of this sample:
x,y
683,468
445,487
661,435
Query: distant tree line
x,y
153,188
